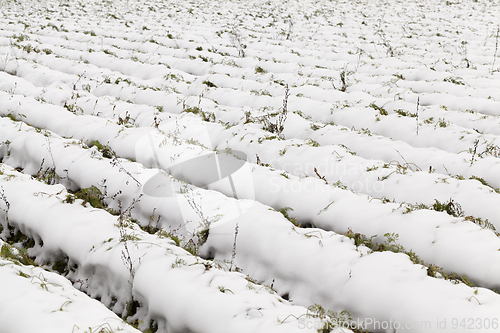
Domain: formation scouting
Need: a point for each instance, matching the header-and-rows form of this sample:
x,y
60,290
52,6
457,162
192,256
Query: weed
x,y
311,142
179,262
455,80
209,84
21,38
405,113
116,163
12,117
412,207
233,255
390,244
474,151
7,252
201,236
434,271
20,273
462,49
223,290
48,175
302,115
414,258
130,310
126,121
151,227
429,120
315,127
18,256
279,125
288,33
260,70
284,211
125,222
331,319
385,42
126,80
321,177
260,92
339,184
451,208
348,150
28,49
106,150
485,183
401,169
237,42
360,239
73,108
282,116
206,116
497,37
267,137
60,265
491,150
485,224
91,195
108,52
381,110
442,122
343,74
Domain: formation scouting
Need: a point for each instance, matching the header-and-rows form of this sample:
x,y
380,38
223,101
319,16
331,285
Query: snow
x,y
35,300
260,166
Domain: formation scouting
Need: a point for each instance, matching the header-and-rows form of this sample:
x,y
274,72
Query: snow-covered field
x,y
249,166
